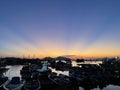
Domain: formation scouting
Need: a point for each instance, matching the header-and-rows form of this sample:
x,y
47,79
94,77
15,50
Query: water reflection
x,y
74,63
13,71
109,87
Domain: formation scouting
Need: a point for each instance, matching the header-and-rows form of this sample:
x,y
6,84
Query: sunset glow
x,y
59,27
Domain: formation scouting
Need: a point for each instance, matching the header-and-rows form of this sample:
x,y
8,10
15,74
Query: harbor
x,y
59,44
66,75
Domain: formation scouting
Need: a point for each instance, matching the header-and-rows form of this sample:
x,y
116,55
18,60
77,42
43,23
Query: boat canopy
x,y
15,80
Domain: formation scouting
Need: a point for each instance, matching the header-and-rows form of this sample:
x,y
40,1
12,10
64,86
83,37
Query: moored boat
x,y
3,80
32,84
60,80
14,84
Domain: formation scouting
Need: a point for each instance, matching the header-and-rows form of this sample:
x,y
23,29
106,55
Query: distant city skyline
x,y
40,28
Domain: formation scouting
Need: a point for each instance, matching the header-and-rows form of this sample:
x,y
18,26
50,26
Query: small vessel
x,y
44,71
32,84
60,80
66,79
14,84
25,72
3,79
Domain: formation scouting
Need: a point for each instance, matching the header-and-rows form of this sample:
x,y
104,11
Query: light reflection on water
x,y
109,87
74,63
13,71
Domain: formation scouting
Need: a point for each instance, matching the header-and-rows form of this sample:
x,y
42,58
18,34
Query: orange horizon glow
x,y
51,49
58,28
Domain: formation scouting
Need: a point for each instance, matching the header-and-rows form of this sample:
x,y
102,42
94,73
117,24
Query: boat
x,y
66,79
44,71
3,69
32,84
26,72
60,80
3,80
14,84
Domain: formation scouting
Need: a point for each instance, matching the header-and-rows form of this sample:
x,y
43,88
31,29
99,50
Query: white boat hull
x,y
8,86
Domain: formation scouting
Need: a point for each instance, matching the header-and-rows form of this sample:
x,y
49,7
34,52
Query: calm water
x,y
15,71
109,87
86,62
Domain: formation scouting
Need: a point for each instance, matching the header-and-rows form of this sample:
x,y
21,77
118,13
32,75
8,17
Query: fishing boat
x,y
32,84
65,78
3,80
14,84
60,80
44,71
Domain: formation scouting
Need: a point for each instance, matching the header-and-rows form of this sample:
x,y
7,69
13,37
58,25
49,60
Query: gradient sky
x,y
40,28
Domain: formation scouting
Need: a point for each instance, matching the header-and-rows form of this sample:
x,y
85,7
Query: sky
x,y
39,28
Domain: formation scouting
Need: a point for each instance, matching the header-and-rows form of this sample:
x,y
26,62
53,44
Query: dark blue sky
x,y
59,27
